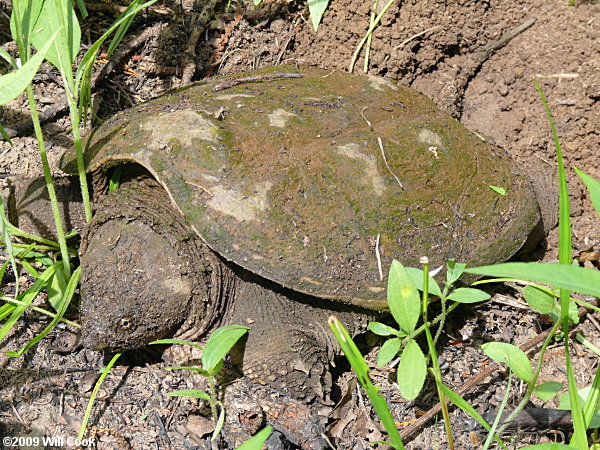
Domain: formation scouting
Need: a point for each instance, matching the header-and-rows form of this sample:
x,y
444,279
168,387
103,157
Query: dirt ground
x,y
441,48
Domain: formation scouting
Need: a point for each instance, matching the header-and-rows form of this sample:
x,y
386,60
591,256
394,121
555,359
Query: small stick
x,y
486,51
414,36
386,163
255,78
378,257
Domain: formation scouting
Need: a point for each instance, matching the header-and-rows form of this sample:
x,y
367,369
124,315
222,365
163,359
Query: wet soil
x,y
433,46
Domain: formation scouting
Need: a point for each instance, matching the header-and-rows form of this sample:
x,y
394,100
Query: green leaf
x,y
82,8
388,351
498,190
257,441
23,19
56,289
547,390
403,298
3,271
220,421
564,402
573,313
591,414
27,297
115,178
9,59
454,271
468,295
581,338
88,410
58,16
12,84
381,329
190,393
219,343
84,70
411,371
317,9
5,135
565,276
539,300
416,275
511,355
593,188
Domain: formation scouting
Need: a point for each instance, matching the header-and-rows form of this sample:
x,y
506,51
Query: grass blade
x,y
68,296
573,278
467,408
593,188
27,297
361,369
88,411
257,441
564,258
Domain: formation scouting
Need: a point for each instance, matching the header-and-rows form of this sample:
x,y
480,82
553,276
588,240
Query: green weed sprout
x,y
218,345
406,306
220,342
52,27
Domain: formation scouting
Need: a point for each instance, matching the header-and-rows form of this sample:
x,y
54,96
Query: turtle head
x,y
132,290
138,280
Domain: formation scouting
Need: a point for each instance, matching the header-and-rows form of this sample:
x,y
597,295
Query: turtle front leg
x,y
289,349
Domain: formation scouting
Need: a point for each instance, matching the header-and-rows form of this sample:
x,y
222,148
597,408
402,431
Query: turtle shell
x,y
318,179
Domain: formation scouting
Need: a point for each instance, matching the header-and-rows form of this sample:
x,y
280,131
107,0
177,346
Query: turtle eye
x,y
125,323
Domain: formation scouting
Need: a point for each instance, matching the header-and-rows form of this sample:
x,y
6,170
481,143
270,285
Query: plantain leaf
x,y
403,298
388,351
539,300
468,295
411,371
416,275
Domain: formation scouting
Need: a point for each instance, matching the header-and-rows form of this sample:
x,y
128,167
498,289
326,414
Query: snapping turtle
x,y
274,198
